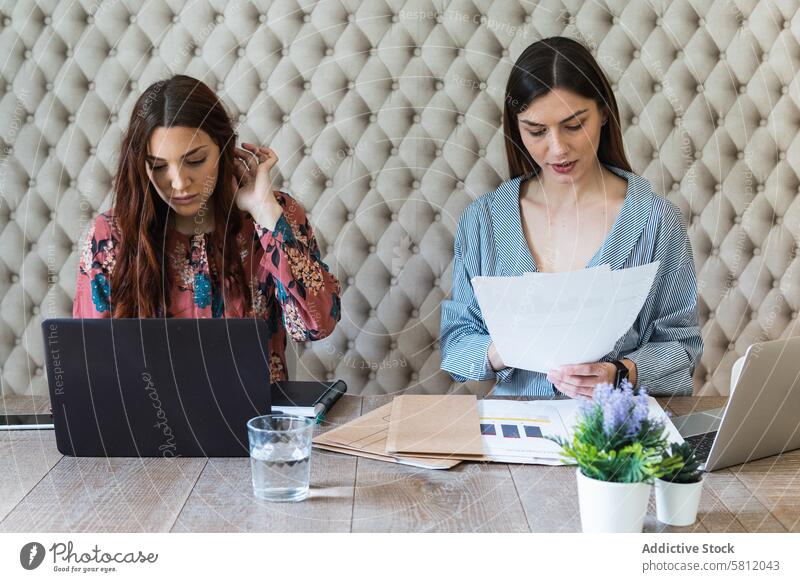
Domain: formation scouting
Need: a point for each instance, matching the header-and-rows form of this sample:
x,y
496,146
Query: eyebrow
x,y
186,155
576,114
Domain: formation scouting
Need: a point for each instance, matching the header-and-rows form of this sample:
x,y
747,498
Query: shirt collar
x,y
513,252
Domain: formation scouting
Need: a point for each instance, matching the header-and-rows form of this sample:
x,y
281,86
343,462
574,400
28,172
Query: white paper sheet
x,y
514,431
540,321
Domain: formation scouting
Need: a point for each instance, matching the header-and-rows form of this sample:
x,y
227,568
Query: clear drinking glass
x,y
280,456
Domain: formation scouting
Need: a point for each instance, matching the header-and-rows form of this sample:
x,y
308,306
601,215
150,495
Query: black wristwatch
x,y
622,373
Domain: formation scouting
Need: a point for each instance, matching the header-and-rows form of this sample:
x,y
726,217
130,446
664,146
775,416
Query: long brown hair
x,y
142,217
559,63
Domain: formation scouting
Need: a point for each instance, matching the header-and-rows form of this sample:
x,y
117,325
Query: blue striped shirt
x,y
664,341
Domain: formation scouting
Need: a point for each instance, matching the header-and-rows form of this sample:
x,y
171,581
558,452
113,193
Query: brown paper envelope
x,y
445,424
366,437
402,460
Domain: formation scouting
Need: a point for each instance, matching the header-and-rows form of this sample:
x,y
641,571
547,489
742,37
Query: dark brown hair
x,y
559,63
142,217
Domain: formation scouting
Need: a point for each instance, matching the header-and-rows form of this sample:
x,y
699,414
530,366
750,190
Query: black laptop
x,y
156,387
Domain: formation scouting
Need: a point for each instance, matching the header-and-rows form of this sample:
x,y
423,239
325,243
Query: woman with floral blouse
x,y
197,231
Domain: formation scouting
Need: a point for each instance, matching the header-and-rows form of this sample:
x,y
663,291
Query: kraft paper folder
x,y
435,425
366,437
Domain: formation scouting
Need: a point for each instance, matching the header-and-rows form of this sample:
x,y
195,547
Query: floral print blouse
x,y
291,287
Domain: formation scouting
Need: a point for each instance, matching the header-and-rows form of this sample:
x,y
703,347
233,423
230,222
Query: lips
x,y
184,199
564,167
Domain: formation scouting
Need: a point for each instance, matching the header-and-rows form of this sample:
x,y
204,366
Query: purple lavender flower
x,y
623,412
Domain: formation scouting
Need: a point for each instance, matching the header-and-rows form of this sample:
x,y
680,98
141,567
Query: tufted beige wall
x,y
386,116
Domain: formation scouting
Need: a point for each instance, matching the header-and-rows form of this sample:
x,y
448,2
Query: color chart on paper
x,y
517,431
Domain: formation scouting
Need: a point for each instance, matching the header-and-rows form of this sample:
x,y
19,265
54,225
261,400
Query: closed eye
x,y
191,163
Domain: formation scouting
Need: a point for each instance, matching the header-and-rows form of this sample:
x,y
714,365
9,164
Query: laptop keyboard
x,y
701,444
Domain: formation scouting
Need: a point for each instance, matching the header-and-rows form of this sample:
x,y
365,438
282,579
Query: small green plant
x,y
689,469
614,440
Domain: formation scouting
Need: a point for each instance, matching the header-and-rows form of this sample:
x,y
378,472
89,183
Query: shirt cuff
x,y
503,374
281,233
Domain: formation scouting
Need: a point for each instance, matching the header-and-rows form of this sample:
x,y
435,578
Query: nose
x,y
180,180
558,145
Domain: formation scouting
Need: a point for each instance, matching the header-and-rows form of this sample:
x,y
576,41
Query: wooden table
x,y
41,490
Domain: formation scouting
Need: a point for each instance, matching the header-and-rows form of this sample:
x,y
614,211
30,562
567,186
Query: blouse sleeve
x,y
465,339
671,344
96,260
308,293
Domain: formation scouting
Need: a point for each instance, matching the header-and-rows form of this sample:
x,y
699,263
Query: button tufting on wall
x,y
306,85
414,313
262,18
32,182
90,86
762,122
306,18
394,151
240,52
782,156
219,18
417,52
636,54
220,86
90,19
350,216
371,249
132,19
415,184
634,120
739,155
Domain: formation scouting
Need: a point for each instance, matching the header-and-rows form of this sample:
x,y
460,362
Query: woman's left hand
x,y
254,193
579,380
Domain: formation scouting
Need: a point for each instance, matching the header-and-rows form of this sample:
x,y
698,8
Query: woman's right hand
x,y
494,358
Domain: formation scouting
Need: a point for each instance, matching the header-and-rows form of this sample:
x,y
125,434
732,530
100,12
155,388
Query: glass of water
x,y
280,453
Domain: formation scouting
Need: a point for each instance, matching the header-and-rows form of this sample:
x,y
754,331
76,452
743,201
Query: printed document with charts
x,y
515,431
540,321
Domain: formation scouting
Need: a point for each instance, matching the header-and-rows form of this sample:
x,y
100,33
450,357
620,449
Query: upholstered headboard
x,y
386,118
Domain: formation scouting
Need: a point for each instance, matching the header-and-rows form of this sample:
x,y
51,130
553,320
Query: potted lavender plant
x,y
678,491
619,451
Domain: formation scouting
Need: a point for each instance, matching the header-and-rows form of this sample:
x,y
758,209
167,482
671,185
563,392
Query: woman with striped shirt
x,y
572,202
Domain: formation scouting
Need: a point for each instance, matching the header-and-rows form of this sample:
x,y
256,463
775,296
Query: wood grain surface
x,y
42,491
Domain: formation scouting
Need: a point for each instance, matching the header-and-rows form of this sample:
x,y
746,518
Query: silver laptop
x,y
762,416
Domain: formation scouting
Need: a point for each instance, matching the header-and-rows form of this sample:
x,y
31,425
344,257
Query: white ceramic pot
x,y
608,507
677,503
